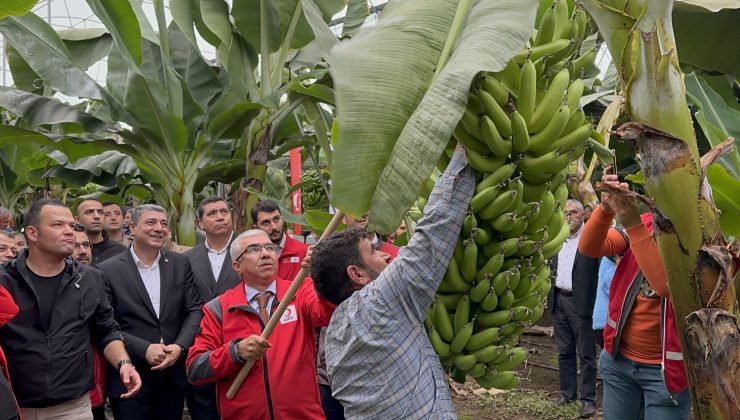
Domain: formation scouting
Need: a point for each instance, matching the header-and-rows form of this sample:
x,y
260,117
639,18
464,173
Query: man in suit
x,y
156,302
572,302
266,216
214,275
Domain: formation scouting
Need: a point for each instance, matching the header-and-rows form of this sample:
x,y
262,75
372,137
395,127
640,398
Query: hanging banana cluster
x,y
313,196
521,129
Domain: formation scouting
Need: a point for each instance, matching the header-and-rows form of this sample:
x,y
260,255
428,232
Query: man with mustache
x,y
214,275
266,216
90,215
282,383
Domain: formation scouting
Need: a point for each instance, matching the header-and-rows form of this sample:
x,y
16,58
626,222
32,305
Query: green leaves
x,y
393,119
720,30
16,7
726,193
47,55
119,17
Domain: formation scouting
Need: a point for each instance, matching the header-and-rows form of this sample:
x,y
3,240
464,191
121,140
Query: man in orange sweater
x,y
641,364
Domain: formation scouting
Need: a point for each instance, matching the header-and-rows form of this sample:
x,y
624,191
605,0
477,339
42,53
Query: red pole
x,y
295,179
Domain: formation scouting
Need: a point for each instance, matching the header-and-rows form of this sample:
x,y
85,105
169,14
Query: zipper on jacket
x,y
662,349
629,300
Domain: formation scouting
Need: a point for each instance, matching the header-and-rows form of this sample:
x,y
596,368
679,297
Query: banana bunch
x,y
521,128
313,196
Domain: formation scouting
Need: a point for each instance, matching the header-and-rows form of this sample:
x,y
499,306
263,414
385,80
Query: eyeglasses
x,y
257,248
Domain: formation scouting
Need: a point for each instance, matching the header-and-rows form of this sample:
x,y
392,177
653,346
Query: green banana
x,y
561,15
549,103
492,267
440,347
509,76
493,319
450,300
506,299
582,20
495,89
553,246
503,203
577,119
507,329
482,339
453,281
508,247
500,282
533,192
481,236
457,375
519,136
442,321
461,338
561,195
556,221
490,301
484,163
524,286
464,362
484,198
573,139
470,122
458,253
539,142
585,60
527,91
489,353
497,380
462,313
520,313
537,52
504,222
477,371
532,166
573,97
496,113
546,30
470,257
497,144
469,223
536,314
527,248
469,141
516,356
500,174
479,291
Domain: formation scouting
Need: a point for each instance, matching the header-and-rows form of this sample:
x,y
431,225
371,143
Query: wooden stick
x,y
289,295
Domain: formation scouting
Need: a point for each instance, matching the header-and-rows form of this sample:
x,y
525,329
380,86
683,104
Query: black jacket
x,y
585,276
106,249
49,368
208,287
179,313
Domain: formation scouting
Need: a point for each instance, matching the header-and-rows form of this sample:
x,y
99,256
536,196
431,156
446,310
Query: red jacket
x,y
8,311
389,249
283,385
289,262
624,288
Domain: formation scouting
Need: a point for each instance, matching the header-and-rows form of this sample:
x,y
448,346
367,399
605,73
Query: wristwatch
x,y
124,362
183,350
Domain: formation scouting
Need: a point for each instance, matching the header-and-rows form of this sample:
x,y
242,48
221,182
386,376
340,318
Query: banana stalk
x,y
699,267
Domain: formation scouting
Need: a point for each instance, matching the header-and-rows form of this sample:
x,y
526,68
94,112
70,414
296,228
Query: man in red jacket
x,y
378,243
282,384
266,216
8,405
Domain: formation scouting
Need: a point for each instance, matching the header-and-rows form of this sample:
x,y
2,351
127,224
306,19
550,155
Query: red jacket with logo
x,y
281,386
289,262
8,311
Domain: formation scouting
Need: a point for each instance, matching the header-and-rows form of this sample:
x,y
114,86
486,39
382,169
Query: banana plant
x,y
698,261
269,51
161,104
413,71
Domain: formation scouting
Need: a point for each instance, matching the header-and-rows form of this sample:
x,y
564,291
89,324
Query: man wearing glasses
x,y
282,384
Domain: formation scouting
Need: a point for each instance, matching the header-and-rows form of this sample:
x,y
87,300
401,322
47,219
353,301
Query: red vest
x,y
289,262
624,288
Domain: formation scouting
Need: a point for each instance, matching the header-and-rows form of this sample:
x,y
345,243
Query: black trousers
x,y
163,400
333,410
575,340
202,402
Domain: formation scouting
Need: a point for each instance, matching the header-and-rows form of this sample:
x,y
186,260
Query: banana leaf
x,y
394,118
86,46
717,22
726,193
16,7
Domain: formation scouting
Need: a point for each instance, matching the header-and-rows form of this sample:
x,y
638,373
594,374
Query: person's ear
x,y
31,233
358,276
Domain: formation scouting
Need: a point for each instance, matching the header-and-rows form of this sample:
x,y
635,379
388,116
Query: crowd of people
x,y
99,306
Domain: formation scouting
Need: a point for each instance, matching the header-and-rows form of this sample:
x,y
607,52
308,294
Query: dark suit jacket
x,y
208,287
179,314
585,276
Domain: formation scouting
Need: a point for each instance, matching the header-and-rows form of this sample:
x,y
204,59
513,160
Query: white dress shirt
x,y
252,293
567,254
217,259
150,277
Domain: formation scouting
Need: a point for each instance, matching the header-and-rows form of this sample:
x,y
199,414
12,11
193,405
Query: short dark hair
x,y
264,206
31,218
208,200
79,228
329,262
79,203
112,203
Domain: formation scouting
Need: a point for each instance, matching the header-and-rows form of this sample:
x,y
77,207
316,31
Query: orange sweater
x,y
641,335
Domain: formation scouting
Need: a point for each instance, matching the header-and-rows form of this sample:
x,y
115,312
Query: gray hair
x,y
138,211
576,203
236,247
5,212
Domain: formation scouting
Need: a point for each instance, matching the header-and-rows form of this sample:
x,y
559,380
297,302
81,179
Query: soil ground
x,y
538,387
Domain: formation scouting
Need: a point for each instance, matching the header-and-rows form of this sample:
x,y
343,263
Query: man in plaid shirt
x,y
379,358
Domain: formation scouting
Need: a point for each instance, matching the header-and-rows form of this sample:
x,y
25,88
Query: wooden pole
x,y
289,295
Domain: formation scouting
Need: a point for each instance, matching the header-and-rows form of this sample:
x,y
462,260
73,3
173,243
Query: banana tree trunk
x,y
639,35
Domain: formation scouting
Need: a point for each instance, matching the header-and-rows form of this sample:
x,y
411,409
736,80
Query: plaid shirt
x,y
379,358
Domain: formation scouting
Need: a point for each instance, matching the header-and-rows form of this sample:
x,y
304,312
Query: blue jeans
x,y
631,387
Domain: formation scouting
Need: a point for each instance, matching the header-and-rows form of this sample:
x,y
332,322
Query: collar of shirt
x,y
221,251
140,263
252,292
